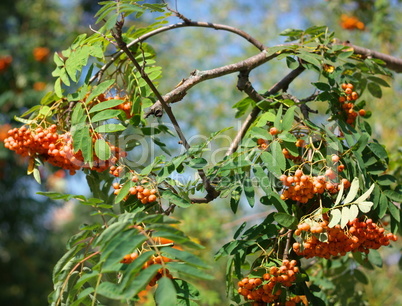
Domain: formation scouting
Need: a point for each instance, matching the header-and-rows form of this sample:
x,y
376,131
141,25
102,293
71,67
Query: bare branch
x,y
198,76
215,26
289,238
392,62
281,85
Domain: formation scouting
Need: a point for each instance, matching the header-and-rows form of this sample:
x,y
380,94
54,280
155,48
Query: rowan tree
x,y
321,175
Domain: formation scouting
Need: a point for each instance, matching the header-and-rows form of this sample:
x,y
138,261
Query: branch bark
x,y
391,62
211,25
199,76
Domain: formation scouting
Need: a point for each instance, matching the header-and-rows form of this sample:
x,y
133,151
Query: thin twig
x,y
289,237
144,37
212,193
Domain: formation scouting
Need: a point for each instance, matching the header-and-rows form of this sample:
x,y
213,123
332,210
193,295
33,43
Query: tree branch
x,y
392,62
199,76
212,193
211,25
281,85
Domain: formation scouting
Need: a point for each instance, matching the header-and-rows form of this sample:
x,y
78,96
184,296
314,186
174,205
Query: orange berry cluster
x,y
41,53
262,143
56,149
351,23
262,289
145,195
159,259
129,258
116,170
347,105
5,62
357,236
301,187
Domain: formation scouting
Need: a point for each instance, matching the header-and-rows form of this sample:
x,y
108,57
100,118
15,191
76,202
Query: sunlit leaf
x,y
335,217
354,188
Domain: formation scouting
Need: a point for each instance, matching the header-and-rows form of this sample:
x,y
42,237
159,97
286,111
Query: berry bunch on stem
x,y
356,236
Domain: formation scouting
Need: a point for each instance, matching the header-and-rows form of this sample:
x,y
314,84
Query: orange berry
x,y
362,112
273,131
151,198
335,158
300,143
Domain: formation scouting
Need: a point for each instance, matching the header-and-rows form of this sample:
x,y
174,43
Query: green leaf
x,y
198,163
286,220
105,105
288,119
186,290
345,54
379,81
271,164
378,150
278,157
374,89
335,217
375,258
360,276
102,149
278,118
394,211
365,195
309,58
124,191
65,262
175,199
165,294
291,62
57,88
354,188
382,205
274,199
262,178
258,132
99,89
82,140
188,270
267,116
322,86
110,128
393,195
106,114
78,116
249,189
183,256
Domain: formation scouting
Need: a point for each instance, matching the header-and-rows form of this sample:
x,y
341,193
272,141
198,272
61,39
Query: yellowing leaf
x,y
31,165
365,195
345,216
365,206
335,217
354,188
